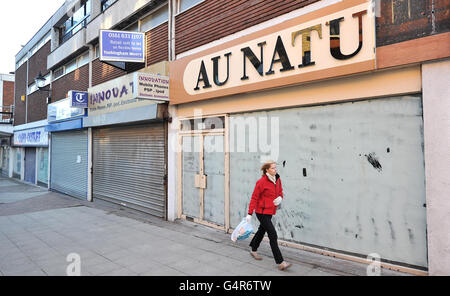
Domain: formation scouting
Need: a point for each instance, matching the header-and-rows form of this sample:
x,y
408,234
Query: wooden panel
x,y
157,44
102,72
414,51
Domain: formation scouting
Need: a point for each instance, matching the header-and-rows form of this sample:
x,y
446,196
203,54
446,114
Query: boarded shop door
x,y
203,179
191,171
352,174
30,165
129,167
69,167
5,160
214,170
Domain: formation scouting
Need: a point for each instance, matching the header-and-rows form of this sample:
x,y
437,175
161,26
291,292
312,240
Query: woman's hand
x,y
248,219
277,201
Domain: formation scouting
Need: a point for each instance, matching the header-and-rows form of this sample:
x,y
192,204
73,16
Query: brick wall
x,y
157,44
215,19
402,20
76,80
20,87
37,106
7,99
38,62
102,72
442,15
8,93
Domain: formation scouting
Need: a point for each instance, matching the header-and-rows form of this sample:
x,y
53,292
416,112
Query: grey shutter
x,y
129,167
69,163
352,175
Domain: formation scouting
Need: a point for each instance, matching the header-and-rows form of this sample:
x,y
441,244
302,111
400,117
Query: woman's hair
x,y
266,166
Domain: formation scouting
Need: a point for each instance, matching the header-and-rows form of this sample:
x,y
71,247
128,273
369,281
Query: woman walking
x,y
266,197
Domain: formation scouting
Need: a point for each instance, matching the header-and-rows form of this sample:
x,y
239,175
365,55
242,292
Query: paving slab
x,y
37,234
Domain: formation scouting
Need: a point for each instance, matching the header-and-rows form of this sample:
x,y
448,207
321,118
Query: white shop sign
x,y
151,86
32,137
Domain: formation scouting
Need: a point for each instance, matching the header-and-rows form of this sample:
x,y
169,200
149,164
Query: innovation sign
x,y
121,46
151,86
129,91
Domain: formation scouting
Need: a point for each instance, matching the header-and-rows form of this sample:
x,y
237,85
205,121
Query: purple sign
x,y
121,46
78,99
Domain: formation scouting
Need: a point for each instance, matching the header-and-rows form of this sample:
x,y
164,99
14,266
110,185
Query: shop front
x,y
30,153
127,117
69,148
348,140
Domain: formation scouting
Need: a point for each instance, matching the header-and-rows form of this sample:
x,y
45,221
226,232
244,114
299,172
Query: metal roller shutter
x,y
129,167
69,163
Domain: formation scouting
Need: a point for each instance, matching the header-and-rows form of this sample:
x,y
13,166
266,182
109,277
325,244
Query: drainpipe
x,y
172,11
91,57
90,164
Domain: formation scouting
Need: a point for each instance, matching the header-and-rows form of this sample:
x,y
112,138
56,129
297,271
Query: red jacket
x,y
263,195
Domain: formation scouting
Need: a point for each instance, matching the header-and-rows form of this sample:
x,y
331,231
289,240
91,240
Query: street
x,y
45,233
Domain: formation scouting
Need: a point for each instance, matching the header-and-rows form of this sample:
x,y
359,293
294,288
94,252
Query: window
x,y
33,87
18,161
21,61
107,3
83,59
58,73
40,44
35,48
186,4
97,51
133,28
47,79
155,19
71,66
75,22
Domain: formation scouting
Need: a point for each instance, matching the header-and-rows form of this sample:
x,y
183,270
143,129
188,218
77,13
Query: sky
x,y
19,21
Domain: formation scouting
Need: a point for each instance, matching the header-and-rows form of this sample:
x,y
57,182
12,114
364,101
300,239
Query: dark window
x,y
76,22
106,4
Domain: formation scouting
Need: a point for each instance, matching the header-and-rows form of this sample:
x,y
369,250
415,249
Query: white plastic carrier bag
x,y
242,231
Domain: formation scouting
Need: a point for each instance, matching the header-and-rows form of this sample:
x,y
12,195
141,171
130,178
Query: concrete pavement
x,y
47,233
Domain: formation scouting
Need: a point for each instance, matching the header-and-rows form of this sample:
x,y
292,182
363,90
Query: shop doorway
x,y
204,176
129,167
30,165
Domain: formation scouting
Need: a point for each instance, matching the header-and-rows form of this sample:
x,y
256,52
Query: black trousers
x,y
267,226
